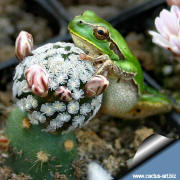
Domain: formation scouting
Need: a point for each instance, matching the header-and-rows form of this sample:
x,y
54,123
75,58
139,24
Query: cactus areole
x,y
49,85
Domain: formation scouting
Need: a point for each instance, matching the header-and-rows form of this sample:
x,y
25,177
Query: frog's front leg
x,y
108,65
99,82
102,63
101,58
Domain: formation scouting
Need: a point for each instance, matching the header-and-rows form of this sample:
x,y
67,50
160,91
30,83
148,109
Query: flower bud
x,y
96,86
37,80
23,45
63,93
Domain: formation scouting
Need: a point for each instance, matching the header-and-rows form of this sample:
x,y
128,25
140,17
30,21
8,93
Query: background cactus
x,y
49,90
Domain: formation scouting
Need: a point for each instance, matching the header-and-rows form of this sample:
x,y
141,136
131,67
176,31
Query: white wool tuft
x,y
96,172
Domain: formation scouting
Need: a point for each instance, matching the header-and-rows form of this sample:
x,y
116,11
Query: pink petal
x,y
159,39
160,27
175,10
170,21
175,44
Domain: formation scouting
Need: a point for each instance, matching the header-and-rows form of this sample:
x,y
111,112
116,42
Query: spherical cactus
x,y
50,92
49,85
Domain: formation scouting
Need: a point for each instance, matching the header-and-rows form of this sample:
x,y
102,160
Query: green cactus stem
x,y
39,154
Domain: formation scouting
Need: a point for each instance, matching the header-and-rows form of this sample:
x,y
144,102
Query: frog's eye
x,y
80,22
101,33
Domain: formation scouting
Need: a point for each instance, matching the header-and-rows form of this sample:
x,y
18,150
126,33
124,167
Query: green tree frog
x,y
126,95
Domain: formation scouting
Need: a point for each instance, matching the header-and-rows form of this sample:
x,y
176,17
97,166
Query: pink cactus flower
x,y
63,93
173,2
96,85
23,45
168,27
37,80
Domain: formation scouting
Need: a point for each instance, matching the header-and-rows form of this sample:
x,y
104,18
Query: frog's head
x,y
93,34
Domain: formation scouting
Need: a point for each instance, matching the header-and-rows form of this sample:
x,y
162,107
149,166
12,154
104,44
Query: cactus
x,y
49,88
37,153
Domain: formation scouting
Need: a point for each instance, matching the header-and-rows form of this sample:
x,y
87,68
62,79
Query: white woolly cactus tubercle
x,y
49,86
